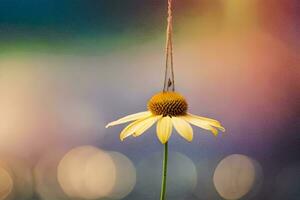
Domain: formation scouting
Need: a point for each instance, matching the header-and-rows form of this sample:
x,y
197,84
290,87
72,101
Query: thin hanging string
x,y
168,82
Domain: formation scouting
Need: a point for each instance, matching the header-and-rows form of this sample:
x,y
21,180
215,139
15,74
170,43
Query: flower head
x,y
168,104
168,109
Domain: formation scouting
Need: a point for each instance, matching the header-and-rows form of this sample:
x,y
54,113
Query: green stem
x,y
164,174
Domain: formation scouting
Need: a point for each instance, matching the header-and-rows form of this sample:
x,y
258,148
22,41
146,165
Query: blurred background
x,y
69,67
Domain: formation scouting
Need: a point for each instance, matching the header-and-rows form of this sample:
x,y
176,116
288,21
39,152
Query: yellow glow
x,y
234,176
239,12
87,172
15,179
125,176
6,184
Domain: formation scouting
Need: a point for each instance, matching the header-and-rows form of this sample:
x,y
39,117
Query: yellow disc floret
x,y
168,104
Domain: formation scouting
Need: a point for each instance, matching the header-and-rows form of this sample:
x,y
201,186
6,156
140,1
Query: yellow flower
x,y
168,109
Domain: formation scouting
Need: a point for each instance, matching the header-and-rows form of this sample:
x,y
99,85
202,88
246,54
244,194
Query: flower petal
x,y
200,123
202,120
205,119
129,130
164,129
183,128
129,118
145,124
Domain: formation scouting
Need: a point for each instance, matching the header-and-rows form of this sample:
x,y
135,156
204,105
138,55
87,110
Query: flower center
x,y
168,104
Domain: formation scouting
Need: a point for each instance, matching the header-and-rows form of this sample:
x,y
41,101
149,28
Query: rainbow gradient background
x,y
67,68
